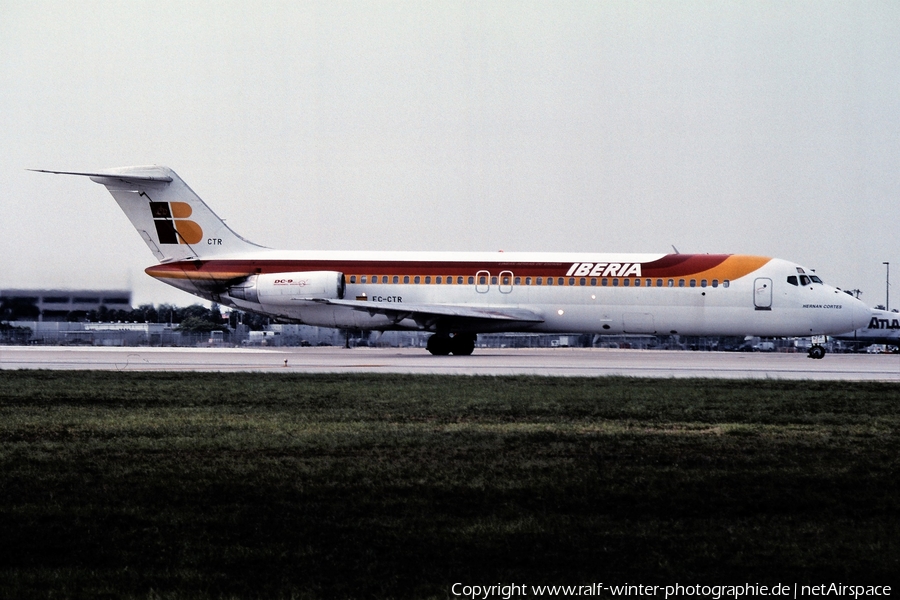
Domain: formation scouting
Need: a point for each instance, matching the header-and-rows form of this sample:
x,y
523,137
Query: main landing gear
x,y
442,344
816,351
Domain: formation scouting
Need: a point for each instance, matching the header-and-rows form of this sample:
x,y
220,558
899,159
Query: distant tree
x,y
199,325
252,320
166,313
19,309
146,313
196,310
215,312
11,334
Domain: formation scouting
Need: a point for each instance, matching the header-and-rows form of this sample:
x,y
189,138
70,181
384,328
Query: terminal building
x,y
57,305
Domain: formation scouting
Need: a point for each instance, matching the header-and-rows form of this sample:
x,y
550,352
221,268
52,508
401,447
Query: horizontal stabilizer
x,y
150,174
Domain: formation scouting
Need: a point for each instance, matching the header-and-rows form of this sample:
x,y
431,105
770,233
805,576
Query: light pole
x,y
887,287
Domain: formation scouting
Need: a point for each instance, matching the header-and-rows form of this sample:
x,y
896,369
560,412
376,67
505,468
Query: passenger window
x,y
549,281
703,283
471,279
427,279
594,281
715,283
353,279
792,279
626,282
604,282
693,283
459,280
528,281
560,281
637,283
439,279
659,283
494,280
396,279
582,281
615,282
517,281
406,279
671,283
482,280
726,283
539,280
681,283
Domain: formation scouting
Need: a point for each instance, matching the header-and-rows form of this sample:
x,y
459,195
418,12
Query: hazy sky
x,y
750,127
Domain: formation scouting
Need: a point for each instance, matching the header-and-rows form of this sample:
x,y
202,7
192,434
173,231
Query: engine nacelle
x,y
287,288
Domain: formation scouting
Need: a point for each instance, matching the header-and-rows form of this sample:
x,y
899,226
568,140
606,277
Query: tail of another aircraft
x,y
174,222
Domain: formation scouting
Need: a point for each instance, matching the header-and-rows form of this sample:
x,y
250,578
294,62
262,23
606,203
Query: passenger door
x,y
762,293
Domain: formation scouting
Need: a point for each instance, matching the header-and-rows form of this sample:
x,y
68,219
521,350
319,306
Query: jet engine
x,y
287,288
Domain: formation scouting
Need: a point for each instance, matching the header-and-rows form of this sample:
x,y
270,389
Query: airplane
x,y
883,327
457,295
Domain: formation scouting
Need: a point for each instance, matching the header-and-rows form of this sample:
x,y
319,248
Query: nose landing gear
x,y
816,351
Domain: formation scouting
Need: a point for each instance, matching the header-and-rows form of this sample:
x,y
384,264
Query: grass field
x,y
158,485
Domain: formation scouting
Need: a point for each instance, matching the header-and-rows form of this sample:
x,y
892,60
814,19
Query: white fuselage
x,y
752,296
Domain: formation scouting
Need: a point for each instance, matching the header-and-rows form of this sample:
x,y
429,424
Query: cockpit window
x,y
805,278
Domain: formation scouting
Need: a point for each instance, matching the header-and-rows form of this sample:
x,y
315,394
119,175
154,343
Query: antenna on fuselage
x,y
675,249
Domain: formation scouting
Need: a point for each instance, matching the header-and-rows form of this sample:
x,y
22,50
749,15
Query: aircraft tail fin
x,y
174,222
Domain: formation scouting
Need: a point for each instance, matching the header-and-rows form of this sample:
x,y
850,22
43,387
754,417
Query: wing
x,y
446,317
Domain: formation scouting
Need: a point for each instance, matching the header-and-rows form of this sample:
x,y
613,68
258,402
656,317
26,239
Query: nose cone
x,y
843,313
861,314
854,314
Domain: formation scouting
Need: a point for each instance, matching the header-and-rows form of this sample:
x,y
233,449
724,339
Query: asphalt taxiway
x,y
581,362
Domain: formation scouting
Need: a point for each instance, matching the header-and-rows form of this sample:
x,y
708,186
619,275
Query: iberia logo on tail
x,y
172,224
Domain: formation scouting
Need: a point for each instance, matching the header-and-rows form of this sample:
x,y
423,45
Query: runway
x,y
572,362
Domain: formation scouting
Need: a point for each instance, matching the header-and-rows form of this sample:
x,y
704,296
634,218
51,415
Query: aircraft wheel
x,y
439,344
817,352
463,344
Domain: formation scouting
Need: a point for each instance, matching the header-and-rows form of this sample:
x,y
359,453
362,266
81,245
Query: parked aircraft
x,y
457,295
883,327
